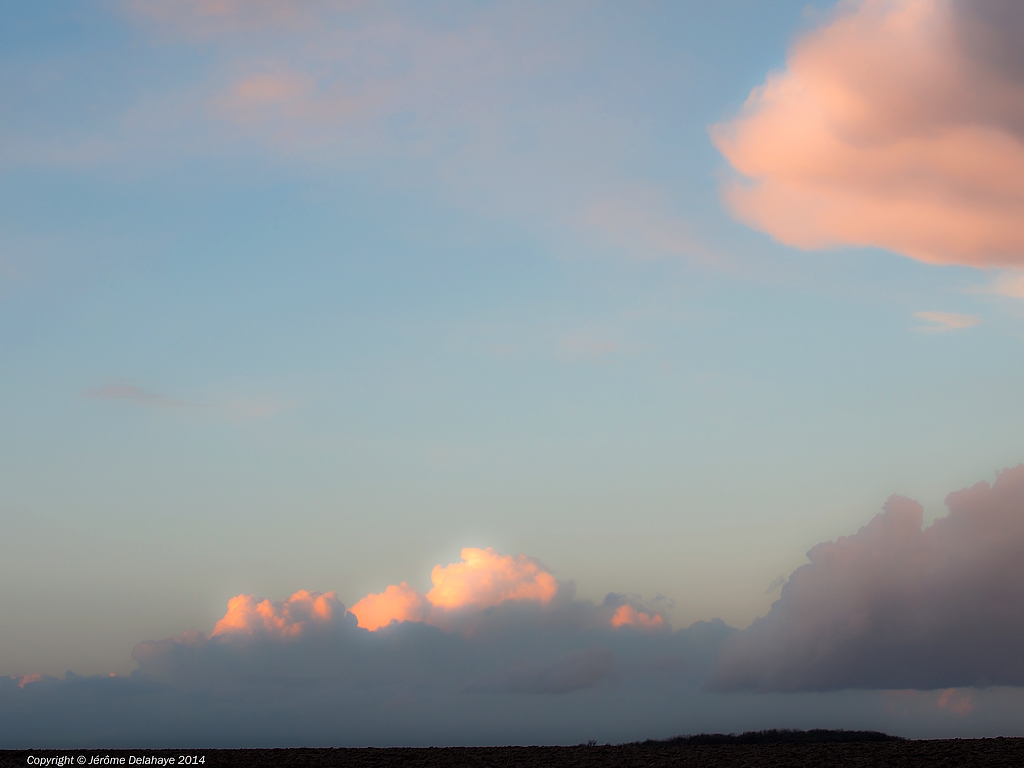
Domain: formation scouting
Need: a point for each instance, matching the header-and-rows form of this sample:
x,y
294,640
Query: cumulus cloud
x,y
284,618
897,124
399,602
898,606
628,616
483,578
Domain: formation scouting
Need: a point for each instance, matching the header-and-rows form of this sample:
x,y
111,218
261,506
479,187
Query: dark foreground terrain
x,y
876,754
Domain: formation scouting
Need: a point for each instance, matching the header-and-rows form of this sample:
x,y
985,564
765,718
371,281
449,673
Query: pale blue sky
x,y
495,300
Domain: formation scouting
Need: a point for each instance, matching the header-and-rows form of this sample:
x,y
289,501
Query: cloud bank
x,y
898,606
497,648
500,651
897,124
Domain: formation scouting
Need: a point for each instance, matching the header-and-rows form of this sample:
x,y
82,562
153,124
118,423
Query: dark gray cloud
x,y
897,606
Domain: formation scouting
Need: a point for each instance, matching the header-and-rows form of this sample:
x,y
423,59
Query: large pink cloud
x,y
898,606
897,124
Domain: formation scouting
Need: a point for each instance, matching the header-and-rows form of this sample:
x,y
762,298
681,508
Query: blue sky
x,y
313,304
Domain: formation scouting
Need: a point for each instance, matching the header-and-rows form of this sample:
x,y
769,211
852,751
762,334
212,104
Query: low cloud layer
x,y
499,651
897,124
898,606
495,650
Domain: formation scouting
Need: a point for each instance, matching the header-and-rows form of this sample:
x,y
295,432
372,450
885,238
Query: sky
x,y
491,372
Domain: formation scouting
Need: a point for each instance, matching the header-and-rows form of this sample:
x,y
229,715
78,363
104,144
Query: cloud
x,y
939,322
898,606
515,110
24,680
134,395
399,602
628,616
588,348
897,124
232,408
1009,283
284,618
642,227
893,606
206,18
958,702
499,651
483,579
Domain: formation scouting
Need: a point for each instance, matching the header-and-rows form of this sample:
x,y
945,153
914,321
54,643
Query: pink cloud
x,y
937,322
24,680
899,606
628,616
957,702
267,89
399,602
134,394
484,578
898,124
1010,283
281,619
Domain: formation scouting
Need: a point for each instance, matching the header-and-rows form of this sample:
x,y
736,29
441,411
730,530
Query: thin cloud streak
x,y
135,395
941,322
232,408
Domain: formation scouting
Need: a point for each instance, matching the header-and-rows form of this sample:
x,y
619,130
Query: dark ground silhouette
x,y
774,748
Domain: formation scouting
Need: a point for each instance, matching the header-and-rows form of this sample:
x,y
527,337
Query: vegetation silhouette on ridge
x,y
779,736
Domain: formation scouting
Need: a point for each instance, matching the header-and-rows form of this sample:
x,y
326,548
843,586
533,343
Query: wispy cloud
x,y
133,394
940,322
585,348
228,408
493,110
1009,283
644,229
956,701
